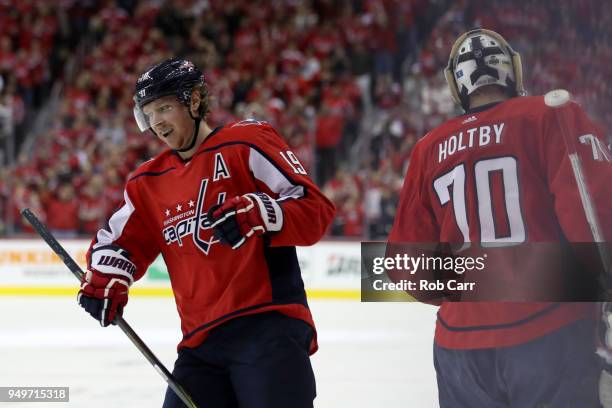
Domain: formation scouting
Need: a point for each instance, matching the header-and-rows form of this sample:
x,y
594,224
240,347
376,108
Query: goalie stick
x,y
558,100
42,230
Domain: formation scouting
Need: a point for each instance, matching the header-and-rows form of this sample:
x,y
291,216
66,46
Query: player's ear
x,y
196,99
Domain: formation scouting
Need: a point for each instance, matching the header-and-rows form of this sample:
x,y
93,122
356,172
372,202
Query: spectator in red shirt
x,y
353,220
329,133
92,207
63,212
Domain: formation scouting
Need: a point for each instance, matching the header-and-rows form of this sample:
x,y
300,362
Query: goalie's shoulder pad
x,y
112,259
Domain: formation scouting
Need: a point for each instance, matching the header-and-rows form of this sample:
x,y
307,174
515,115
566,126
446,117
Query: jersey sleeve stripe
x,y
152,173
266,171
116,223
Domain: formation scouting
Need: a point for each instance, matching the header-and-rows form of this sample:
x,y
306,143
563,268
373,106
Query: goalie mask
x,y
480,58
176,77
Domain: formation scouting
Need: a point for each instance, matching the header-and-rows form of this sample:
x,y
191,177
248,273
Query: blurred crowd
x,y
351,85
36,40
563,45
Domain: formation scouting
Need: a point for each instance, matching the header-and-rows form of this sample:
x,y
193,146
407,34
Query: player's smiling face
x,y
170,121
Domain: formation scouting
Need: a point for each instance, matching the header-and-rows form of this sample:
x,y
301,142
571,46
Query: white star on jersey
x,y
167,212
179,208
191,203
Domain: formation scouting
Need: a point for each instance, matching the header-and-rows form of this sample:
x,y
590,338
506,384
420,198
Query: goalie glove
x,y
242,217
105,285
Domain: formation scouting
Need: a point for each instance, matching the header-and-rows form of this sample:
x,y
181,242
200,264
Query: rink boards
x,y
331,270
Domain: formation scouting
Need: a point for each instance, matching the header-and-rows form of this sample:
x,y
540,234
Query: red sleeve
x,y
307,213
128,229
414,219
594,157
415,231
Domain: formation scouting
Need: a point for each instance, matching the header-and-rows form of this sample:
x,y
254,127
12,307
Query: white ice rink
x,y
371,354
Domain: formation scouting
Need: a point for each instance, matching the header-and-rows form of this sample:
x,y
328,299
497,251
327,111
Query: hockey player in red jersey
x,y
225,208
500,175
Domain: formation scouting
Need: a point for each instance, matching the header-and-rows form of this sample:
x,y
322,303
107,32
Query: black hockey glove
x,y
245,216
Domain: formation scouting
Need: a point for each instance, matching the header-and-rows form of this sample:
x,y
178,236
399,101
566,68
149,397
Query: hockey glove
x,y
245,216
104,287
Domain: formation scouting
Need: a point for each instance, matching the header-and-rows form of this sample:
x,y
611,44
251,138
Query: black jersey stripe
x,y
152,173
527,319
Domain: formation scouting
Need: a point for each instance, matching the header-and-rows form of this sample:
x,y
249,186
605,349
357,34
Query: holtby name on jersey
x,y
474,137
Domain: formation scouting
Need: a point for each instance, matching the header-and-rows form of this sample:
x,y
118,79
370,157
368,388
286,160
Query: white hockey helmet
x,y
479,58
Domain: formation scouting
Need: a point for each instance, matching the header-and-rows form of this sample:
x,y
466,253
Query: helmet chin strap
x,y
193,138
195,134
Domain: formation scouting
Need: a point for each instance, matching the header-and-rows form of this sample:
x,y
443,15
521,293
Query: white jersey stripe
x,y
116,223
267,172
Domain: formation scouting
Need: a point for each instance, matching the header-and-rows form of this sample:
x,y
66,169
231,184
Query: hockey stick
x,y
558,100
119,321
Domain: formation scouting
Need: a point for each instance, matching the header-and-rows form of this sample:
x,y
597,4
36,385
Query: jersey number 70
x,y
482,172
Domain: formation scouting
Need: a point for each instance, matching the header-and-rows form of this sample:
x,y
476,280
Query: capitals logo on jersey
x,y
194,220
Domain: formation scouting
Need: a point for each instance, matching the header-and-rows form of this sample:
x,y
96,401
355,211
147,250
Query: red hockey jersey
x,y
164,211
502,175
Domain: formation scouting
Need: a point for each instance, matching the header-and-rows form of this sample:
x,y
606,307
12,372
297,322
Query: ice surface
x,y
371,354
